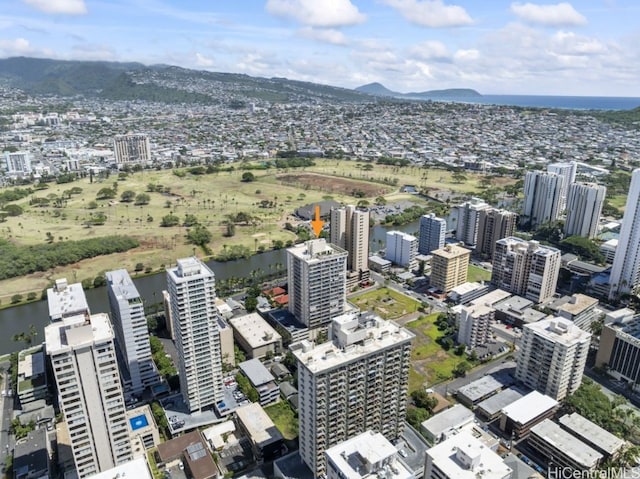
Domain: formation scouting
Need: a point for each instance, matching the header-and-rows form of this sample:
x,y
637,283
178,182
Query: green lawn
x,y
477,274
284,418
387,303
619,201
430,363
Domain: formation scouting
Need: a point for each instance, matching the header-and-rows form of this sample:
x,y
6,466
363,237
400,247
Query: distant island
x,y
377,89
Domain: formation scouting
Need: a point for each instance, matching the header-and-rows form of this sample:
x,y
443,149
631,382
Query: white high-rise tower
x,y
130,324
568,173
192,294
542,197
625,272
83,360
584,205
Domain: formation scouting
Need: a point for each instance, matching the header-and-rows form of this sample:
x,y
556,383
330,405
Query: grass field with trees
x,y
178,213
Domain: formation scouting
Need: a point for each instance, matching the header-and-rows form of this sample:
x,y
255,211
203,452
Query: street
x,y
6,402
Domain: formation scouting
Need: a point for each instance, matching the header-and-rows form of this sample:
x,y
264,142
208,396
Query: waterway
x,y
17,319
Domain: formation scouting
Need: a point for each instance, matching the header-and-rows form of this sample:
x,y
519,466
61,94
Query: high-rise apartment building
x,y
191,286
130,324
18,163
350,231
526,268
131,148
401,249
625,272
475,325
553,353
83,360
449,267
568,173
316,273
432,233
66,300
584,206
465,220
494,224
355,382
542,194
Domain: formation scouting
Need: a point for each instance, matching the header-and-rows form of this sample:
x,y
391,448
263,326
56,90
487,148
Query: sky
x,y
582,47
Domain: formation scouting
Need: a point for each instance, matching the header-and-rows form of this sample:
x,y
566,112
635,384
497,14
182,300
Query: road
x,y
6,406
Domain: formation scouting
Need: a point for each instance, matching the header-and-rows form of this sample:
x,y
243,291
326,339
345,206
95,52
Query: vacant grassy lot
x,y
387,303
430,363
619,201
475,273
284,418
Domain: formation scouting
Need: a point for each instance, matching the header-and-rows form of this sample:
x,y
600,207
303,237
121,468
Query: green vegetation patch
x,y
430,363
285,419
477,274
387,303
21,260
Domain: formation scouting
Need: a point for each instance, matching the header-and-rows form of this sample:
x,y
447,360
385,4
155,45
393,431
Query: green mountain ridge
x,y
162,83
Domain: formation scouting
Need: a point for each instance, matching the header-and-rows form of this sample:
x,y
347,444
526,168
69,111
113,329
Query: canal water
x,y
17,319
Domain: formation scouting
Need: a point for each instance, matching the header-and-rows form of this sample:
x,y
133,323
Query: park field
x,y
386,303
211,198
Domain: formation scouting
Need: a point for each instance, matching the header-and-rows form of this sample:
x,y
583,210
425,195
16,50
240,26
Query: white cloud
x,y
549,15
431,13
68,7
17,46
430,50
327,35
466,55
571,44
325,13
203,61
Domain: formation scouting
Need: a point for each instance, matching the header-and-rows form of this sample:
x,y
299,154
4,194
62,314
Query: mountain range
x,y
171,84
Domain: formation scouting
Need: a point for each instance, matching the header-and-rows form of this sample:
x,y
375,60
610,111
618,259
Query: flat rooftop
x,y
376,337
258,424
453,417
451,251
452,455
558,438
255,330
559,330
360,456
493,405
122,284
136,468
257,373
479,388
316,249
31,364
529,407
574,304
583,428
66,300
492,298
76,331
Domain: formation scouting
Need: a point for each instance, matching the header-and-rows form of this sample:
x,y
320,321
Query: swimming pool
x,y
138,422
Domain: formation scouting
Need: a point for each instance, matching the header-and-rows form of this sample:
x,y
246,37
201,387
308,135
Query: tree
x,y
380,201
169,220
460,348
459,177
16,298
13,210
199,235
105,194
461,369
424,400
142,199
127,196
231,229
250,303
247,177
190,220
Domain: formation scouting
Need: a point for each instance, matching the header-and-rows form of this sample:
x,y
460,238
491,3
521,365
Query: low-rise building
x,y
517,311
366,456
490,408
266,441
462,456
521,415
262,380
482,388
598,438
467,292
31,456
444,424
32,376
580,309
191,450
136,468
143,430
255,336
562,449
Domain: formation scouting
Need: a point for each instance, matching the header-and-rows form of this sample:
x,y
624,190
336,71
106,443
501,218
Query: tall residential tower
x,y
542,197
83,360
350,231
191,286
584,206
355,382
432,233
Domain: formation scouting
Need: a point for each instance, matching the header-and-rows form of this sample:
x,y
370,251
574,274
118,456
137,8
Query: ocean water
x,y
563,102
